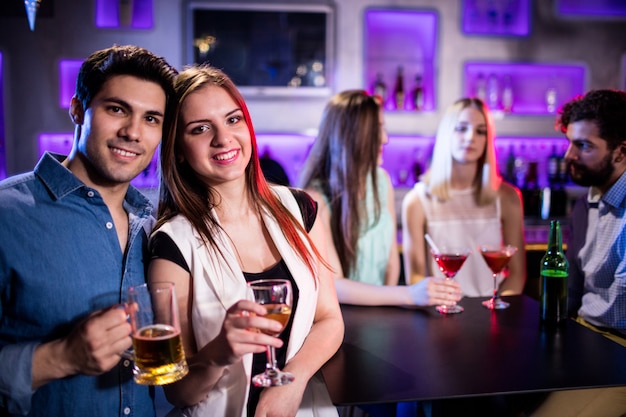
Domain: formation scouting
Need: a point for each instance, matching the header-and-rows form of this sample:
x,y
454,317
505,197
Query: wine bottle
x,y
417,165
507,94
551,95
481,88
553,166
380,88
493,92
554,266
418,94
398,90
510,167
531,193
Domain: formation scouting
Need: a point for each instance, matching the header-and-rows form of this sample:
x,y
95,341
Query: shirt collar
x,y
615,196
60,181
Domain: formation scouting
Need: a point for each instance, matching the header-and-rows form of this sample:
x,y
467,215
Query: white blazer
x,y
218,283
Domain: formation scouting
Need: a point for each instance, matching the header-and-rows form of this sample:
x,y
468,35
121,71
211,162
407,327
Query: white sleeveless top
x,y
460,221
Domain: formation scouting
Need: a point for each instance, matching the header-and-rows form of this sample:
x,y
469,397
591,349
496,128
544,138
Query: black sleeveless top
x,y
163,247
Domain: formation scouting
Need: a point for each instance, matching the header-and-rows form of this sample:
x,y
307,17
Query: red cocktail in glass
x,y
449,261
497,258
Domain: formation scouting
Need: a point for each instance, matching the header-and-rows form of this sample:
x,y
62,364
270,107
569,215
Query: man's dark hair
x,y
100,66
606,108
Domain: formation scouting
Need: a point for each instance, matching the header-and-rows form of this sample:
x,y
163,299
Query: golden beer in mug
x,y
158,349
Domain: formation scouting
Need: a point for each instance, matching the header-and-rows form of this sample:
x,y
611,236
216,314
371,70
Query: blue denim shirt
x,y
60,259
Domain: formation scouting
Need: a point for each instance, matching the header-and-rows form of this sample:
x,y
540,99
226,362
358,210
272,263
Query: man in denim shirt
x,y
72,240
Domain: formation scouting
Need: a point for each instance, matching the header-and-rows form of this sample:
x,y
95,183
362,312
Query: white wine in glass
x,y
276,296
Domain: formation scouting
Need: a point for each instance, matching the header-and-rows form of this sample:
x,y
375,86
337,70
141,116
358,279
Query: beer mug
x,y
158,349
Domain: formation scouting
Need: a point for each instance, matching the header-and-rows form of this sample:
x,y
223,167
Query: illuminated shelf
x,y
530,84
496,17
404,38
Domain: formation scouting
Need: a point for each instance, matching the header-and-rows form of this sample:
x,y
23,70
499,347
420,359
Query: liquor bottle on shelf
x,y
417,165
563,172
555,191
509,13
380,88
398,90
507,94
551,95
509,173
553,166
418,94
493,92
492,12
554,275
480,88
521,167
531,194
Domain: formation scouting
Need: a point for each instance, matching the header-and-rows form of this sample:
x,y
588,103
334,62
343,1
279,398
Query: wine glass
x,y
276,296
450,260
497,258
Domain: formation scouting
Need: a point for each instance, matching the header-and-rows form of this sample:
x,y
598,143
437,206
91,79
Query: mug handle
x,y
128,354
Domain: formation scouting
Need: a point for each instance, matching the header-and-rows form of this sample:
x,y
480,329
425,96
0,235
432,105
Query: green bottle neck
x,y
555,241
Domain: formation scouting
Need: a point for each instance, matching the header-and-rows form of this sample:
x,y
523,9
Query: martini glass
x,y
276,296
450,260
497,258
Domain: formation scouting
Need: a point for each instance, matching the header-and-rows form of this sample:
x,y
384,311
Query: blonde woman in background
x,y
462,200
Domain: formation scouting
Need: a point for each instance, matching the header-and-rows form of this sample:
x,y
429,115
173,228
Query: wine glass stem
x,y
495,287
271,360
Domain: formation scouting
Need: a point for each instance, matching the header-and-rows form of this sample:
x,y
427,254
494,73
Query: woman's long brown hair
x,y
342,160
181,192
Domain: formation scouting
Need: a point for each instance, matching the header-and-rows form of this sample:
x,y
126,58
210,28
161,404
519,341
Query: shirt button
x,y
126,363
109,225
90,193
127,411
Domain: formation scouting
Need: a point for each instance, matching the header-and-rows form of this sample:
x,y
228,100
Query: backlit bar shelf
x,y
401,38
611,9
525,88
405,157
134,14
289,150
496,17
68,72
3,159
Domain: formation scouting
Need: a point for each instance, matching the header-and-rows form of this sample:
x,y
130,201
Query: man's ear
x,y
77,113
620,152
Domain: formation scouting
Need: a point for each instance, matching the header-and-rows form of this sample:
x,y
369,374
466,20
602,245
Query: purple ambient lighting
x,y
596,8
534,88
402,38
68,72
137,14
496,17
3,164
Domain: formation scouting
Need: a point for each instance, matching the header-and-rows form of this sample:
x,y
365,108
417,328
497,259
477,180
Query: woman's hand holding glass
x,y
241,333
432,291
